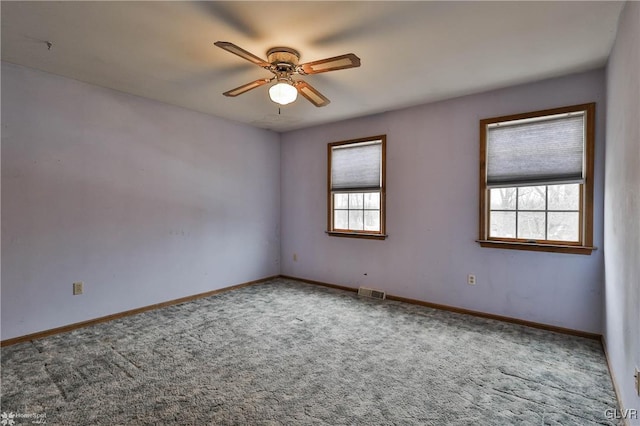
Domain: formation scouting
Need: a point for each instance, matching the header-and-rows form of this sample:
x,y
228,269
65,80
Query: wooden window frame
x,y
585,244
375,235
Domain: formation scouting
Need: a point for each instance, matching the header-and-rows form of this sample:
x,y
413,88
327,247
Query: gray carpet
x,y
290,353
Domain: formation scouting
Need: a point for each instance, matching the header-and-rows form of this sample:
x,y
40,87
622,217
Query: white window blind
x,y
356,166
529,152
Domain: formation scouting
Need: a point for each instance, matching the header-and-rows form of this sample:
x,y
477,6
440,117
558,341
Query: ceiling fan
x,y
283,63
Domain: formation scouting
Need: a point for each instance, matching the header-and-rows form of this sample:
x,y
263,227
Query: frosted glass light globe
x,y
283,93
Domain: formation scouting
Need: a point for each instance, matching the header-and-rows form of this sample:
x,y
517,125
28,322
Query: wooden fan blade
x,y
315,97
330,64
230,47
246,87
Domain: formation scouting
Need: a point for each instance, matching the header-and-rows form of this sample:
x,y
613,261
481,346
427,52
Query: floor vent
x,y
369,292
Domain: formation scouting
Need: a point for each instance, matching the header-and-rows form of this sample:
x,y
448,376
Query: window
x,y
356,188
536,180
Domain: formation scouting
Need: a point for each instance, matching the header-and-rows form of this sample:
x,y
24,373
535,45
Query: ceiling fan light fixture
x,y
283,93
283,63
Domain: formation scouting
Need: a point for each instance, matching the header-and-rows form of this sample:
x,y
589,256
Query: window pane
x,y
503,198
355,177
531,225
564,197
546,157
531,198
341,219
502,225
564,226
372,220
372,200
356,200
340,201
356,219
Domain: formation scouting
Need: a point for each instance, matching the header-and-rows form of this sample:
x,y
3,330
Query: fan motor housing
x,y
283,57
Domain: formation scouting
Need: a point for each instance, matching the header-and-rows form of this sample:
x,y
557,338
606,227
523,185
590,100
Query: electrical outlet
x,y
295,257
637,376
78,288
471,279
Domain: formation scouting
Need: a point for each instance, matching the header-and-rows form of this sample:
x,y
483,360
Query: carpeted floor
x,y
290,353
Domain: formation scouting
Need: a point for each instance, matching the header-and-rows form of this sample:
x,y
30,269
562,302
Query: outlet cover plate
x,y
78,288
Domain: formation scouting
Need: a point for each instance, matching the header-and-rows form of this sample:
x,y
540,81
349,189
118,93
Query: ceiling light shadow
x,y
224,12
206,78
385,21
335,90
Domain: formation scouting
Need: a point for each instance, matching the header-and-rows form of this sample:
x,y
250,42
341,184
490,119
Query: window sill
x,y
556,248
356,235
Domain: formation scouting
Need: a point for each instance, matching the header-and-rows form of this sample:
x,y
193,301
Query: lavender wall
x,y
622,207
432,214
143,201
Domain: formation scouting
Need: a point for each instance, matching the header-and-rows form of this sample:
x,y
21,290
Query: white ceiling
x,y
411,52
